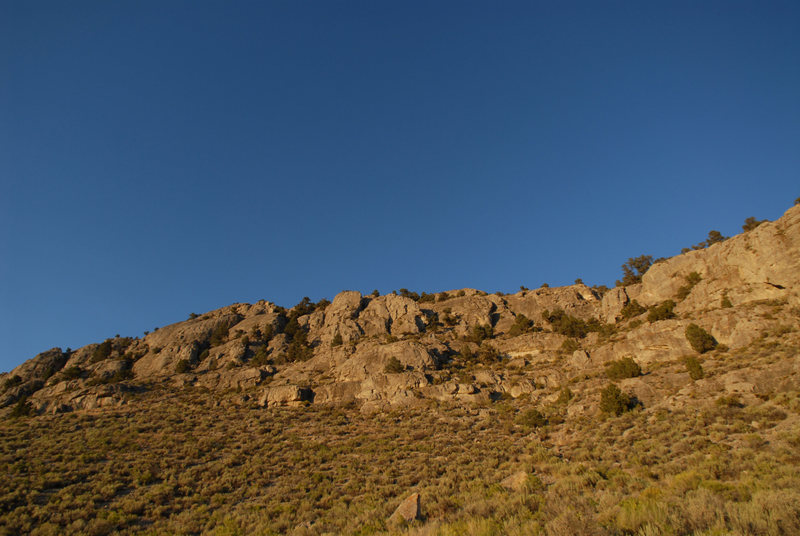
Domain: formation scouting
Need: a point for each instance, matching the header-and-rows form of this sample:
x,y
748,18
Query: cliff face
x,y
463,345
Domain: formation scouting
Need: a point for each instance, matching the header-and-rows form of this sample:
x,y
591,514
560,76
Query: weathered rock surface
x,y
371,358
761,264
65,397
31,375
339,318
408,510
42,366
612,303
284,395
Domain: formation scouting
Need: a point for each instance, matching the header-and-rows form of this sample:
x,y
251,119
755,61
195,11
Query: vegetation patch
x,y
614,401
700,340
693,367
662,311
623,368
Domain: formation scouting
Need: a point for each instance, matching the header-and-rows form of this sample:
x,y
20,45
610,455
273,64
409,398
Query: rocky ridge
x,y
463,346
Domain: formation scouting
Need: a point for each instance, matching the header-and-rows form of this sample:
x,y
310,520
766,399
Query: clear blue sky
x,y
161,158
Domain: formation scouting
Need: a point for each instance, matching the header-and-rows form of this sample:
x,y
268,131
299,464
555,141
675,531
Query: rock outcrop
x,y
463,346
408,510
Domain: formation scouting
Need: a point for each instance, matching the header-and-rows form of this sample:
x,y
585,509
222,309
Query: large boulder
x,y
338,393
285,395
339,318
393,314
649,343
240,379
371,358
407,511
612,303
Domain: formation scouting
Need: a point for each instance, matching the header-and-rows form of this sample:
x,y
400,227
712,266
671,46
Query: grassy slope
x,y
179,462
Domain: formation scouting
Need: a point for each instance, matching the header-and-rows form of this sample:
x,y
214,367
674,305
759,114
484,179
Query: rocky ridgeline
x,y
463,345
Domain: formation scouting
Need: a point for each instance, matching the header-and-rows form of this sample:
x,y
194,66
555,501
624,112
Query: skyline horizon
x,y
158,159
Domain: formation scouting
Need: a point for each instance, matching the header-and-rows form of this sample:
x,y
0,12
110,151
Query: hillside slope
x,y
668,406
339,352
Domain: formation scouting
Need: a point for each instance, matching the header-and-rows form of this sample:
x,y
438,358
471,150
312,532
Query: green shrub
x,y
662,311
120,375
466,353
261,357
631,309
443,296
266,333
337,340
567,325
714,237
531,418
192,316
522,324
292,326
219,335
600,290
569,346
13,381
393,366
449,318
751,223
623,368
22,408
564,396
481,333
701,340
693,367
299,349
183,366
614,401
404,292
103,351
488,354
427,298
434,325
726,302
691,280
305,307
729,401
72,373
634,269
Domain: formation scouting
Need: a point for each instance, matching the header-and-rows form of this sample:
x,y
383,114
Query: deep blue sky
x,y
160,158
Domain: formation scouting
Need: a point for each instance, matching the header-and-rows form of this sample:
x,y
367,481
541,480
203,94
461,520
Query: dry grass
x,y
193,462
